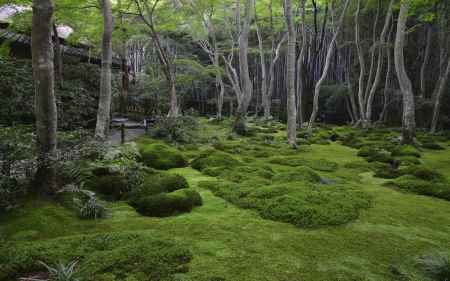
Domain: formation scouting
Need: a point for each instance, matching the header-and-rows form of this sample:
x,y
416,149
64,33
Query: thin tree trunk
x,y
45,102
426,59
58,56
362,65
262,59
300,66
291,105
104,103
246,84
315,109
384,111
381,43
372,54
408,120
437,100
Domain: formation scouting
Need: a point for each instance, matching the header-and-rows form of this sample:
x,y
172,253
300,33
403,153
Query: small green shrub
x,y
113,187
167,204
120,255
180,129
436,266
406,150
162,157
214,158
92,209
62,271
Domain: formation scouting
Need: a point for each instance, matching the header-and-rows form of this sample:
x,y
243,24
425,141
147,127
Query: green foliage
x,y
10,192
372,154
113,186
91,208
167,204
161,156
61,271
121,255
179,129
214,158
298,174
436,266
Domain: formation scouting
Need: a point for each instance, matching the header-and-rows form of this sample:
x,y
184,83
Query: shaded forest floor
x,y
229,242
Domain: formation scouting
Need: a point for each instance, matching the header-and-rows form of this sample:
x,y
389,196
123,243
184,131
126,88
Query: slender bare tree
x,y
319,83
409,119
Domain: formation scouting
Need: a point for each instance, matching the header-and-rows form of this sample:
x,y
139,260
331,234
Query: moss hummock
x,y
161,156
214,158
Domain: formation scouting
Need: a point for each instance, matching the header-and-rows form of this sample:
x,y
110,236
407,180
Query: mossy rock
x,y
406,150
113,187
120,256
167,204
298,174
432,146
323,165
161,156
161,182
214,158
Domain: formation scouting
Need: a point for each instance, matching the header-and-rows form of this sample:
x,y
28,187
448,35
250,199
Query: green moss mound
x,y
240,173
300,203
116,255
161,156
432,146
167,204
410,183
113,187
162,182
323,165
374,154
406,150
214,158
298,174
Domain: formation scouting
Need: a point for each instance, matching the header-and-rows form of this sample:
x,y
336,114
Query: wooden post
x,y
122,133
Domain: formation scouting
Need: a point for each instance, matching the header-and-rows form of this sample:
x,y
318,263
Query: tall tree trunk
x,y
381,46
125,86
45,102
300,66
262,59
174,110
315,109
104,103
291,105
408,120
437,100
58,56
362,65
244,75
384,111
372,54
425,61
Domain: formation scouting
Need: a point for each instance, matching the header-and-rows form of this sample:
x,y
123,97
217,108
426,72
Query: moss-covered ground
x,y
236,244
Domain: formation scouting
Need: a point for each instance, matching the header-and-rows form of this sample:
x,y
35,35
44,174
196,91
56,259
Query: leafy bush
x,y
113,186
16,145
214,158
437,266
161,156
92,209
167,204
180,129
10,192
123,255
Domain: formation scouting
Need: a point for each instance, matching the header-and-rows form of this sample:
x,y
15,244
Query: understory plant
x,y
61,271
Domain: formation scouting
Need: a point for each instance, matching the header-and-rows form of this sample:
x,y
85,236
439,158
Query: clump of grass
x,y
123,255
